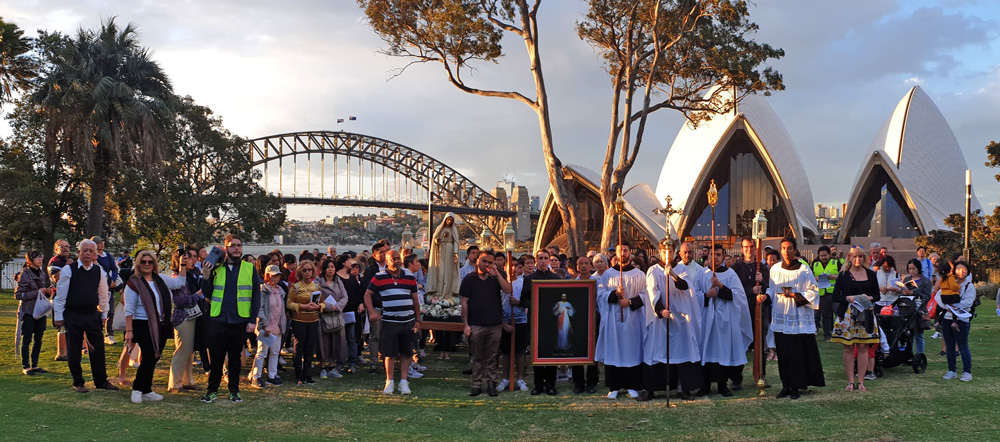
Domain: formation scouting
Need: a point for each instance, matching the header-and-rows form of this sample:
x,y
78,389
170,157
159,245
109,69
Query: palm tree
x,y
108,104
17,68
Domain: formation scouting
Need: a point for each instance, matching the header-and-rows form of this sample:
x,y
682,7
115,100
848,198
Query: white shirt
x,y
133,304
62,290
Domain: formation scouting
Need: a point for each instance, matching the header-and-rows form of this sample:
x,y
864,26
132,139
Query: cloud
x,y
276,67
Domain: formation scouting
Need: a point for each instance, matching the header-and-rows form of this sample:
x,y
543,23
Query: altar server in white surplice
x,y
727,326
623,321
684,315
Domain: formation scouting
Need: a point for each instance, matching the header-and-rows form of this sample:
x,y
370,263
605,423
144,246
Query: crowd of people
x,y
227,310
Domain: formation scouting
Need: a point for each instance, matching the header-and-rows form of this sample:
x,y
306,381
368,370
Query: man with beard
x,y
235,303
752,277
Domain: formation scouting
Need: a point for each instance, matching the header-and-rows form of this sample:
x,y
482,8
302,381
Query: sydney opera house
x,y
910,179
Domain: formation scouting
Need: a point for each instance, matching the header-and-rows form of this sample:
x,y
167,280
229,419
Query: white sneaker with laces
x,y
966,377
390,387
951,375
110,340
503,385
404,387
521,385
334,374
936,335
413,373
613,395
152,396
136,397
633,394
322,374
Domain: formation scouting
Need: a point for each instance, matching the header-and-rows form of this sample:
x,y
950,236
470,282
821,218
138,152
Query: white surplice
x,y
727,328
685,321
620,341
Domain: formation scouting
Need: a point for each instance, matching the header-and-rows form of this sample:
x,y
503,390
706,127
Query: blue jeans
x,y
918,342
961,337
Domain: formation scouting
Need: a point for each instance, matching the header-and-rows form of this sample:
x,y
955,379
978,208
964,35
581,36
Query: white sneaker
x,y
936,335
613,395
418,367
282,360
966,377
404,387
110,340
521,385
413,373
503,385
334,374
390,387
952,375
633,394
322,374
136,397
152,396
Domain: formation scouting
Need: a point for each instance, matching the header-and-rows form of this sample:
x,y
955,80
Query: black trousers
x,y
78,324
201,329
545,377
31,328
593,372
306,336
824,316
617,378
715,372
224,340
147,362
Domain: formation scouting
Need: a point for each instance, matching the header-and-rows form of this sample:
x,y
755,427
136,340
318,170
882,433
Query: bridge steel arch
x,y
448,189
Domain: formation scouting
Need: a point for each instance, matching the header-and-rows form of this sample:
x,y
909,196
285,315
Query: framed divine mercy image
x,y
563,314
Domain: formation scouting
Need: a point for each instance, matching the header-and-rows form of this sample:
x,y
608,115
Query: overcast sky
x,y
273,67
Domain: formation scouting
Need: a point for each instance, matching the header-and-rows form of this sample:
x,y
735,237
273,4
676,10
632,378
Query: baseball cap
x,y
273,270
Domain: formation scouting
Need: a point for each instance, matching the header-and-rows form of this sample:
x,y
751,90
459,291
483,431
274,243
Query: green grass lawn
x,y
900,406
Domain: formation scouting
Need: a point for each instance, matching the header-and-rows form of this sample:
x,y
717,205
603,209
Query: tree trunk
x,y
98,197
565,199
609,228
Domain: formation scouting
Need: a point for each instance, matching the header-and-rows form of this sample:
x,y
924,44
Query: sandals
x,y
861,388
849,387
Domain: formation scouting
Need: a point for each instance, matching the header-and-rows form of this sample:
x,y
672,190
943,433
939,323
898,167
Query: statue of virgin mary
x,y
442,274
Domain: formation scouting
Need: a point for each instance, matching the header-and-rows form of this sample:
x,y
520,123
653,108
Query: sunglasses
x,y
147,262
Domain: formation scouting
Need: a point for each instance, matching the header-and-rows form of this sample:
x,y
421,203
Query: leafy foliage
x,y
17,67
203,191
107,104
42,198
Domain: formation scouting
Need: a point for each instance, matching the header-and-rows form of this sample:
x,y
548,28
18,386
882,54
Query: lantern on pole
x,y
485,238
407,238
509,238
713,200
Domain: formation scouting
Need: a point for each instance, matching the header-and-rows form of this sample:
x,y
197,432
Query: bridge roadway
x,y
351,202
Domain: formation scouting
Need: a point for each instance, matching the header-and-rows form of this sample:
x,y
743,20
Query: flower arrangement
x,y
441,308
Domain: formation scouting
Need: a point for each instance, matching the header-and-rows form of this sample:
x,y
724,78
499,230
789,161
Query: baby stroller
x,y
900,326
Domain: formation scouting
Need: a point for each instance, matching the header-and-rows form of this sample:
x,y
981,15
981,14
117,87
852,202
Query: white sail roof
x,y
919,151
695,151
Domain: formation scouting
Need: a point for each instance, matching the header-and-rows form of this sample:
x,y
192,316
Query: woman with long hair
x,y
332,342
304,306
147,318
918,287
183,319
854,326
32,284
348,272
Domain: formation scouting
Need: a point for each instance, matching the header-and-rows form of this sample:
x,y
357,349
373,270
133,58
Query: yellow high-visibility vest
x,y
244,290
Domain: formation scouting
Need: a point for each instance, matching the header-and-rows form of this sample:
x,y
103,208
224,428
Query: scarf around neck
x,y
154,313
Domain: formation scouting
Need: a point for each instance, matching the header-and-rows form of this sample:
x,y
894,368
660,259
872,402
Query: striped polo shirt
x,y
397,295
